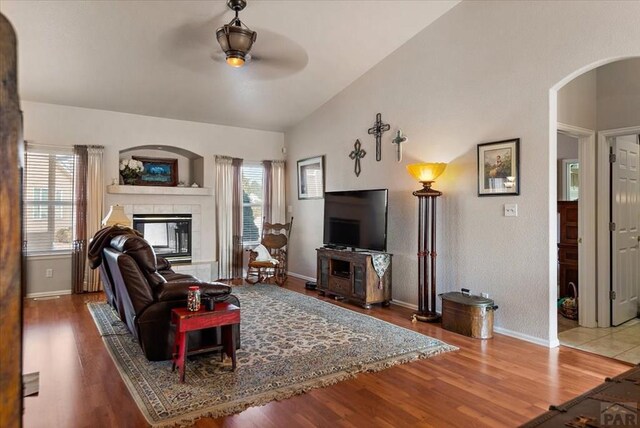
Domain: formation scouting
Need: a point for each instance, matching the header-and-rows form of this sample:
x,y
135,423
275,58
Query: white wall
x,y
618,95
483,72
567,147
38,284
604,98
577,101
66,126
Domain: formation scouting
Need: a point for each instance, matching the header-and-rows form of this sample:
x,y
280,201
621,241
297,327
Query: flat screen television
x,y
356,218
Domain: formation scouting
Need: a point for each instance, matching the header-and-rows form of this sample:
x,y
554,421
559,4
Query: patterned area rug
x,y
290,343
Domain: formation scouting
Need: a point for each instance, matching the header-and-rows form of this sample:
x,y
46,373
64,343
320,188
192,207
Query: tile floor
x,y
565,324
621,343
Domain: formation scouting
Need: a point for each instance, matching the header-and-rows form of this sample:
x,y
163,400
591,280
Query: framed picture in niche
x,y
499,168
311,178
158,171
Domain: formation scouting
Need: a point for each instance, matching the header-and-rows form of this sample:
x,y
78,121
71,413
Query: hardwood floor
x,y
497,383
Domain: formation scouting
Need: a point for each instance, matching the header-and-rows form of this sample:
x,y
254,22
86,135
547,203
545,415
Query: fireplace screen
x,y
168,234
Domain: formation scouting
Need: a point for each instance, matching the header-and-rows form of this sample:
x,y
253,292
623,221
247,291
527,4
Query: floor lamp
x,y
426,173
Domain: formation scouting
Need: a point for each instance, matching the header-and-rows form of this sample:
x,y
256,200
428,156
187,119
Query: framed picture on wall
x,y
311,178
158,171
499,168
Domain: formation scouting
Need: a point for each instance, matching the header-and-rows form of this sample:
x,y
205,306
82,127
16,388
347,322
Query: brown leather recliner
x,y
143,292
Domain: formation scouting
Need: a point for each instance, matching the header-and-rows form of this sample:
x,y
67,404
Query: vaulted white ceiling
x,y
160,58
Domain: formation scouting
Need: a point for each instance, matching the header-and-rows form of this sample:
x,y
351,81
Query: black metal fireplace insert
x,y
168,234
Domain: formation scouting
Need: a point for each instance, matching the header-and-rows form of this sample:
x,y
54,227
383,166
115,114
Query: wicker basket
x,y
569,306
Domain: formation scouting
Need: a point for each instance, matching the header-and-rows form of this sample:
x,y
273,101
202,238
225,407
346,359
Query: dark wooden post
x,y
10,233
427,254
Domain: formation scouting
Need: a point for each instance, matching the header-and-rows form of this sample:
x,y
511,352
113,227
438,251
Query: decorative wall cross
x,y
356,155
377,130
400,138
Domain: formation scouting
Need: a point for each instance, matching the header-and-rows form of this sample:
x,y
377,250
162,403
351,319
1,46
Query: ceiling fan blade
x,y
184,45
275,56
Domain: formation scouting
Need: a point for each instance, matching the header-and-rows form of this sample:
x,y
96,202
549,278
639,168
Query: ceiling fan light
x,y
235,61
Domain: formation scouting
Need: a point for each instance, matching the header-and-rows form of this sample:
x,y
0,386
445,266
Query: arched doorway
x,y
603,274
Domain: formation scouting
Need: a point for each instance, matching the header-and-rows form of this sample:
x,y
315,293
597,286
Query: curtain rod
x,y
54,146
57,146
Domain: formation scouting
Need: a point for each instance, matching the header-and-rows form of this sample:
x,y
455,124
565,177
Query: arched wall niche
x,y
190,164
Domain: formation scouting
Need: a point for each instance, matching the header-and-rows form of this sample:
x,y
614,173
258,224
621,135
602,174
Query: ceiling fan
x,y
273,56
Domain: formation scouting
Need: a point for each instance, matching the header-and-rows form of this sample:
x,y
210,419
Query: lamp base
x,y
427,316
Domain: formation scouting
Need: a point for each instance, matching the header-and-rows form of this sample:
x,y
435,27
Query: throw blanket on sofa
x,y
102,238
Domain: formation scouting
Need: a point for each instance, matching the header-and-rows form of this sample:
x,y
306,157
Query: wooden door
x,y
10,233
625,234
568,252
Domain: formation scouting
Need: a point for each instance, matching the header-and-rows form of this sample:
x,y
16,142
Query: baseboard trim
x,y
404,304
297,275
504,331
527,338
48,293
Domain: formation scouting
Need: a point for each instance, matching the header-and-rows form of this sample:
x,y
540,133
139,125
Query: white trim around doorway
x,y
604,236
587,294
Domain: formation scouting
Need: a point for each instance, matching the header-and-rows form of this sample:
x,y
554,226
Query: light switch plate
x,y
511,210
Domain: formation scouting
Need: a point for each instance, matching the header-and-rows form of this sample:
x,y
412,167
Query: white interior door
x,y
625,234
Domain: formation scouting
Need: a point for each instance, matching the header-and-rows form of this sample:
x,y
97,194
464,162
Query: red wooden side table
x,y
225,315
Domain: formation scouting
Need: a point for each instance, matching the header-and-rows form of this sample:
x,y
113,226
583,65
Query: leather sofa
x,y
143,289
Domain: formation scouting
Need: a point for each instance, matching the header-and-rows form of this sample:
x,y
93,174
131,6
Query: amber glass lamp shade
x,y
426,173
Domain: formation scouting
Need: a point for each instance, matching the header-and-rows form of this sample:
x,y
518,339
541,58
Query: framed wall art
x,y
499,168
311,178
158,171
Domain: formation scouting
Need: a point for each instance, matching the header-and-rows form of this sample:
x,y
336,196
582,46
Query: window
x,y
570,179
40,194
252,202
48,199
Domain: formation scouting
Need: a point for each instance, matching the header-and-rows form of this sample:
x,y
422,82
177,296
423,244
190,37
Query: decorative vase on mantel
x,y
130,180
131,170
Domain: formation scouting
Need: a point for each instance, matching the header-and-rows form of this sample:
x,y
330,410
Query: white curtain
x,y
224,221
95,204
278,206
229,217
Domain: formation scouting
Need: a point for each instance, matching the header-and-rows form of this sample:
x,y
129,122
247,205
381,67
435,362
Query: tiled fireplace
x,y
205,270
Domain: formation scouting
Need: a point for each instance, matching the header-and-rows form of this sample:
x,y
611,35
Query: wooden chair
x,y
275,238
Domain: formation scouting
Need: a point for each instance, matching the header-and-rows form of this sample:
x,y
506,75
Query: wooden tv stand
x,y
350,275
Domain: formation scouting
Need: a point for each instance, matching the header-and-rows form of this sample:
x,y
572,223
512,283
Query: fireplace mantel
x,y
158,190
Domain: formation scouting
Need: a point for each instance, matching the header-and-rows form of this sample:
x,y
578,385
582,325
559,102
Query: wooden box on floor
x,y
467,314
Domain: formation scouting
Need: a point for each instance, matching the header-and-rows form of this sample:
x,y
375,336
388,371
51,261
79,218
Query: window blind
x,y
252,202
48,199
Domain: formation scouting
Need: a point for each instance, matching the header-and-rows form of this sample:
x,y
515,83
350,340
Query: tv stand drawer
x,y
340,286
